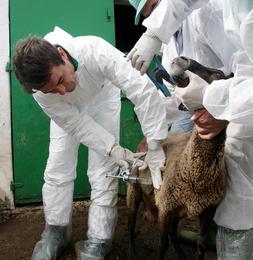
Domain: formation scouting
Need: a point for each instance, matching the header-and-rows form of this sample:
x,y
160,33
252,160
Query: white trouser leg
x,y
104,194
104,191
59,177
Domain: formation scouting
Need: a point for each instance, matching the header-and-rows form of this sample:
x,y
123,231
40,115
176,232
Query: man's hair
x,y
33,61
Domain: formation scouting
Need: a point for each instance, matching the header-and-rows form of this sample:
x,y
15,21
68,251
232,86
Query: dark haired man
x,y
77,83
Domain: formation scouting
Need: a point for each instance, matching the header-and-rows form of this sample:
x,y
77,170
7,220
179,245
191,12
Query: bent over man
x,y
77,82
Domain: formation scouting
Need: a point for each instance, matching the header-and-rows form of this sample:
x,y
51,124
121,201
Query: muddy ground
x,y
22,228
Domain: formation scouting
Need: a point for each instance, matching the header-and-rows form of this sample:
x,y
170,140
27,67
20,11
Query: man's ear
x,y
62,53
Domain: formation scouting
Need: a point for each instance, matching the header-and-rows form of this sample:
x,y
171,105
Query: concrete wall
x,y
6,171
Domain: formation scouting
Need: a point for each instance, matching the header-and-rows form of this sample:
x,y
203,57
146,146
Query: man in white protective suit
x,y
77,82
229,100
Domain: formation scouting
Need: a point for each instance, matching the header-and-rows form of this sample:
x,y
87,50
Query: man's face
x,y
149,7
63,77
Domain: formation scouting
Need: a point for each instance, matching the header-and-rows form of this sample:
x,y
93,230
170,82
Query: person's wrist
x,y
150,34
112,149
154,145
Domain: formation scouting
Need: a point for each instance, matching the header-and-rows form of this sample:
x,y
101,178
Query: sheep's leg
x,y
174,238
151,210
133,202
164,235
205,220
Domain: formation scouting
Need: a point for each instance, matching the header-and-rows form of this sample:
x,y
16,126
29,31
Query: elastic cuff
x,y
113,146
109,145
150,34
153,144
161,135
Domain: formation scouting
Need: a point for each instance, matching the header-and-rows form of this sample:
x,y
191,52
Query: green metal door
x,y
30,127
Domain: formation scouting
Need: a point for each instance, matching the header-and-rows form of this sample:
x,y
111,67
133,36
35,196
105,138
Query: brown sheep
x,y
194,181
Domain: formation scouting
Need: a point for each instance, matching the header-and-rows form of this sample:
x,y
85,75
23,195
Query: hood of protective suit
x,y
64,39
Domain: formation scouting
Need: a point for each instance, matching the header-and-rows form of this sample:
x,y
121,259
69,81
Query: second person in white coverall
x,y
198,38
238,23
169,51
231,100
82,97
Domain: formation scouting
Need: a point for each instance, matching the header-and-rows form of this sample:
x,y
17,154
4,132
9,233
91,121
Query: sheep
x,y
194,180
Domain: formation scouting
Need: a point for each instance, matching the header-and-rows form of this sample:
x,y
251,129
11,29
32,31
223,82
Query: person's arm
x,y
85,129
231,100
168,16
163,22
149,108
76,123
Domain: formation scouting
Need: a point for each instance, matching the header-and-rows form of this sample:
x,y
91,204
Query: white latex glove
x,y
192,95
123,156
155,160
144,50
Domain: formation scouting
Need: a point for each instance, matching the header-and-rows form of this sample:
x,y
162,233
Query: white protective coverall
x,y
90,115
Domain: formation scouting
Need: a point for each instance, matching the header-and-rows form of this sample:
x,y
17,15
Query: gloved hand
x,y
155,160
144,50
123,156
192,95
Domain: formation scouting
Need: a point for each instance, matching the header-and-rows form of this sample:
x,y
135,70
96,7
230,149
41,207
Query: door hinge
x,y
16,185
8,67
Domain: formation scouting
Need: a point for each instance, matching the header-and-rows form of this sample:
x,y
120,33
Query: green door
x,y
30,126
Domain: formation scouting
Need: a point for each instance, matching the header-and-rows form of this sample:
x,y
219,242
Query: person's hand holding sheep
x,y
192,95
207,126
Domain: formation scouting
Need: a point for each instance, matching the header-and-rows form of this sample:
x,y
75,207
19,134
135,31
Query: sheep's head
x,y
181,64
